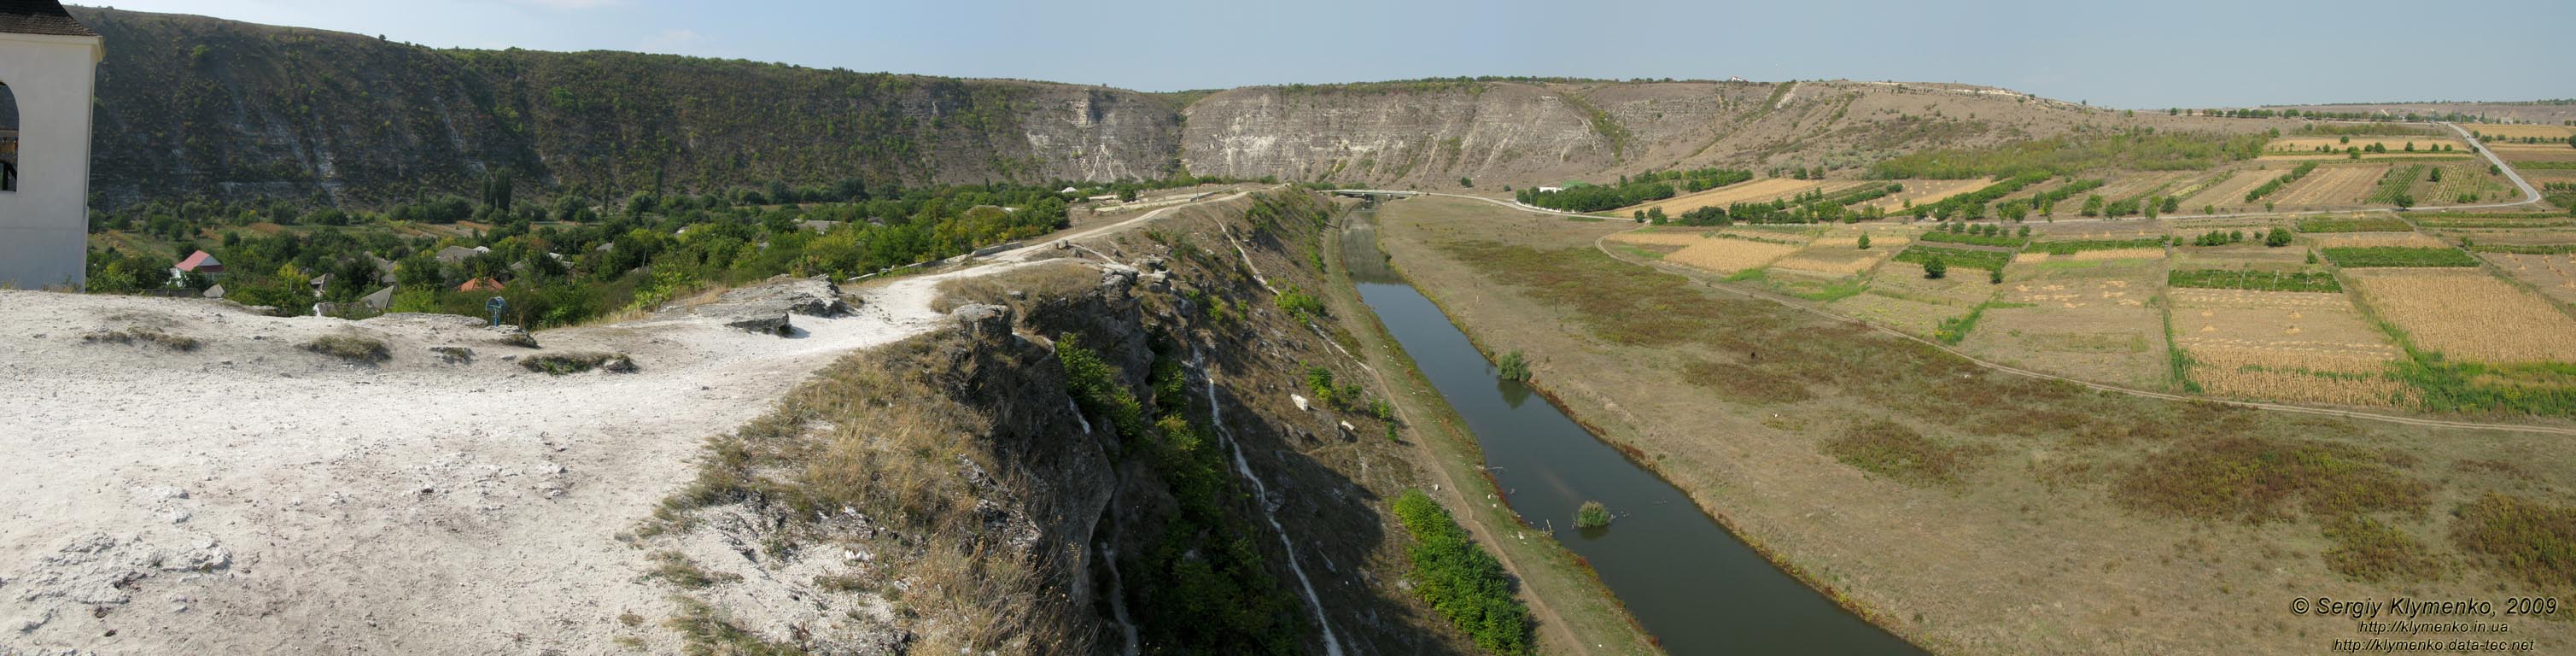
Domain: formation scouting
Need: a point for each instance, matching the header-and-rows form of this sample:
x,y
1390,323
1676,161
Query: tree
x,y
1864,241
1465,182
1934,268
2278,238
1995,276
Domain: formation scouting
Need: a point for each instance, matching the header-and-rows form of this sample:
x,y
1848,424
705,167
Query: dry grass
x,y
1050,278
2332,185
145,335
1926,192
2554,275
352,348
880,435
2257,480
1661,238
558,364
1729,255
2377,240
1761,191
2528,539
2468,315
1836,262
1902,454
2369,551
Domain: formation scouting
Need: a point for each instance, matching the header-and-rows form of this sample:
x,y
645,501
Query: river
x,y
1695,586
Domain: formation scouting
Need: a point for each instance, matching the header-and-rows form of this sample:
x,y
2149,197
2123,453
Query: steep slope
x,y
192,106
198,106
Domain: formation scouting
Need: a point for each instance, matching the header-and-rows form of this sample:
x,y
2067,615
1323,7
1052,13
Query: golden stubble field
x,y
2516,131
2332,185
1925,192
2467,314
2306,347
2554,275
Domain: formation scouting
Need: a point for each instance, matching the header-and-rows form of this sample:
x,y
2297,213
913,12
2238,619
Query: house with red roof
x,y
201,262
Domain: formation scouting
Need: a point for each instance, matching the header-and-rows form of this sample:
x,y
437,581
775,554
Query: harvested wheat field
x,y
2283,346
1744,192
2376,239
2095,322
2492,130
2232,190
2333,185
1924,192
1729,255
2466,314
1835,261
2554,275
2131,184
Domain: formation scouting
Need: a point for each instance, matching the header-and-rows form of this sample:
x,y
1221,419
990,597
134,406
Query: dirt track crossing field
x,y
2340,185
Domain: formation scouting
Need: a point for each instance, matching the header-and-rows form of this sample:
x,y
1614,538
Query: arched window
x,y
8,139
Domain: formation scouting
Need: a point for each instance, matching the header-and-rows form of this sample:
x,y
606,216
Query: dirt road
x,y
251,497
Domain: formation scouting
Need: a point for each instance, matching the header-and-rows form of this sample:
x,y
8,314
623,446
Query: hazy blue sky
x,y
2124,54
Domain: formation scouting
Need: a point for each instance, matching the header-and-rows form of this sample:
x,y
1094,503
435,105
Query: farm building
x,y
200,262
48,71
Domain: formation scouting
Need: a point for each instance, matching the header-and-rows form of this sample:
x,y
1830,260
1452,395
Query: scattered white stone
x,y
1300,400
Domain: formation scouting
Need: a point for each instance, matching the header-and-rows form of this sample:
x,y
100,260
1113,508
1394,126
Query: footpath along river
x,y
1694,586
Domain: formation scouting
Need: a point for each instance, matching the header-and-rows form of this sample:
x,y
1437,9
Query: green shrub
x,y
1460,580
2366,550
1511,366
1592,515
1895,451
1306,307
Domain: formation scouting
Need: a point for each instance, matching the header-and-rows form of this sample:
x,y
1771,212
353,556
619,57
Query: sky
x,y
2141,55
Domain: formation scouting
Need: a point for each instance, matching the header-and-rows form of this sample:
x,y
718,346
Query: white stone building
x,y
48,67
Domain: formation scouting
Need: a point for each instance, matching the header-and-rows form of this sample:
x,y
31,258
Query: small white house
x,y
48,72
1550,190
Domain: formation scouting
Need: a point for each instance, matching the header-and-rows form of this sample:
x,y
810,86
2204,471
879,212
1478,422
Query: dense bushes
x,y
1460,580
1655,185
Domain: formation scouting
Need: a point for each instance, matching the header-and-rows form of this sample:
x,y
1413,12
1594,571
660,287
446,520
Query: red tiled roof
x,y
199,261
481,285
39,17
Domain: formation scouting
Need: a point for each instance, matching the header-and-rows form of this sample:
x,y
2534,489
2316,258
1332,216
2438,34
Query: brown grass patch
x,y
1751,384
144,334
2256,480
2529,539
2468,315
2366,550
352,348
1900,453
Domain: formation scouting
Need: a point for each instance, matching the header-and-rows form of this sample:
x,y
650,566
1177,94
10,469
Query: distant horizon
x,y
1324,44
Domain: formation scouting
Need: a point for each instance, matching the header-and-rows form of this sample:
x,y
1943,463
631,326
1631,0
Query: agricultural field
x,y
2309,347
2519,131
2376,240
1900,297
2231,192
2425,145
1959,257
2095,320
2133,184
1730,255
1755,191
2552,274
2519,153
1925,192
1839,256
2385,257
2372,222
2332,185
2466,314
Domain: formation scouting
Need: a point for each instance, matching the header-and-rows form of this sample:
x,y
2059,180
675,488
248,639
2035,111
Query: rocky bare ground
x,y
249,495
